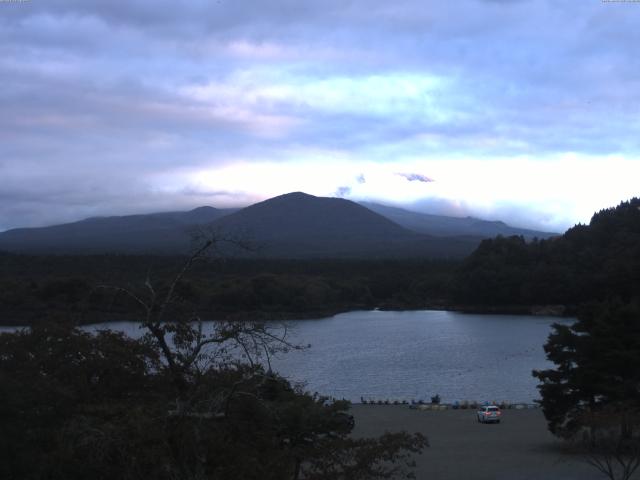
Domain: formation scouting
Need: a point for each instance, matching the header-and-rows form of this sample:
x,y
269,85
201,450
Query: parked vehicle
x,y
489,414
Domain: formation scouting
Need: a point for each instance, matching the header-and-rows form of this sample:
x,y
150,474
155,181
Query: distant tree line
x,y
33,285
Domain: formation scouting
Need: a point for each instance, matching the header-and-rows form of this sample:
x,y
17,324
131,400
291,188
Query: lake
x,y
414,355
417,354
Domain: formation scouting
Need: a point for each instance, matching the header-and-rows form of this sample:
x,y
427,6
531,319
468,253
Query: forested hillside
x,y
588,263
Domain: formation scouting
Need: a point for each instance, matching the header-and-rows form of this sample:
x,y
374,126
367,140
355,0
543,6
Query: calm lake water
x,y
417,354
414,355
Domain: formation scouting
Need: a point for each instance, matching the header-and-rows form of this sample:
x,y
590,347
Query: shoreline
x,y
80,319
469,405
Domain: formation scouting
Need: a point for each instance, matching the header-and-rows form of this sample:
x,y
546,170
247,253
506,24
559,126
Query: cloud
x,y
113,106
415,177
342,192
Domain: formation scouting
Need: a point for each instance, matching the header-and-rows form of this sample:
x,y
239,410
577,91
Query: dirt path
x,y
518,448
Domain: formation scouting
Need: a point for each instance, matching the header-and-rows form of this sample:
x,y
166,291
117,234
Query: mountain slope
x,y
298,215
165,232
301,225
444,226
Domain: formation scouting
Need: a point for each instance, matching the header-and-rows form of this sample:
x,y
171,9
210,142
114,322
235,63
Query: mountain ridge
x,y
295,224
442,225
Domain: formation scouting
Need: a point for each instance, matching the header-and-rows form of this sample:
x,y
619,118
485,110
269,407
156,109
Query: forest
x,y
591,262
35,286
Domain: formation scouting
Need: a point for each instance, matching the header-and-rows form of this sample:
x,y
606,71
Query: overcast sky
x,y
526,111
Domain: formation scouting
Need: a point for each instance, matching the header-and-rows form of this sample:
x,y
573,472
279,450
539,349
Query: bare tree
x,y
176,328
232,414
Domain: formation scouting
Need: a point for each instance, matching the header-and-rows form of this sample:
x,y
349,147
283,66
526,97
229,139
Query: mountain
x,y
166,232
295,225
444,226
301,225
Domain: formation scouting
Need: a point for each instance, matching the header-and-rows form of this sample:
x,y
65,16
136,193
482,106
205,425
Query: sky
x,y
526,111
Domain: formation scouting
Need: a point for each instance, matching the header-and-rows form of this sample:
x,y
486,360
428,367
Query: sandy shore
x,y
518,448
